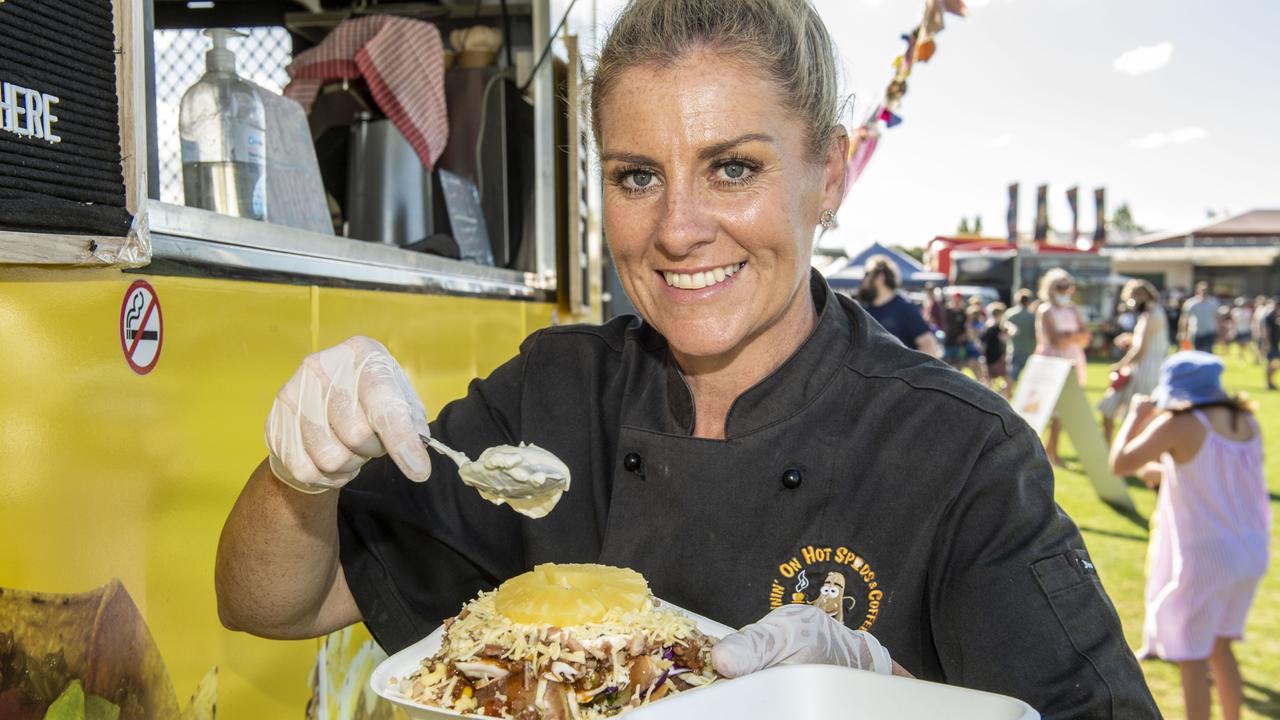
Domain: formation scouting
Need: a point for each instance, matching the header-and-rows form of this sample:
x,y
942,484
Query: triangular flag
x,y
889,118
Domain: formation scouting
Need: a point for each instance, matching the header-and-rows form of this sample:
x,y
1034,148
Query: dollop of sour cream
x,y
526,477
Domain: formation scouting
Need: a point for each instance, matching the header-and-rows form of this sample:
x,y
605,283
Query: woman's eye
x,y
636,180
734,172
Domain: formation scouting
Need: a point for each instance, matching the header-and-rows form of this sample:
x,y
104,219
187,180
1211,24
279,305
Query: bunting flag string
x,y
920,48
862,143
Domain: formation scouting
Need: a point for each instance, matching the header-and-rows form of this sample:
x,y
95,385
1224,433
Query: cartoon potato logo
x,y
850,584
831,597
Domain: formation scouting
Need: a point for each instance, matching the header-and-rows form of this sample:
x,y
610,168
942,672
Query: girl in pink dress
x,y
1211,527
1061,333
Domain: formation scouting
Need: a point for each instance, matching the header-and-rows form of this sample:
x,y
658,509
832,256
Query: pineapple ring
x,y
571,594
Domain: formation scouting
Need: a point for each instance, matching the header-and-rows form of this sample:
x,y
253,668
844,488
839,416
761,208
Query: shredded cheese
x,y
535,647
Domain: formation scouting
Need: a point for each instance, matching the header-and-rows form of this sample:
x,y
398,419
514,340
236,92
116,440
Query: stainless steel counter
x,y
188,241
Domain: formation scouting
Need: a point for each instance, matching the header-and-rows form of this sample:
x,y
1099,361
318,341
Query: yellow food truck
x,y
144,339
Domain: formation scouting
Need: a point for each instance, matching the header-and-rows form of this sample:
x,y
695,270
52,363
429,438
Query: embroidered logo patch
x,y
835,579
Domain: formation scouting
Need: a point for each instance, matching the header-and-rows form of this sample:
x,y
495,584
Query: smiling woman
x,y
711,200
749,431
719,159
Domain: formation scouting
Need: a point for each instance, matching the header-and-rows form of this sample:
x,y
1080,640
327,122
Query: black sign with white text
x,y
60,169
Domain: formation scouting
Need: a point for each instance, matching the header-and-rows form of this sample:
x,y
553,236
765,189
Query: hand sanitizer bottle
x,y
223,127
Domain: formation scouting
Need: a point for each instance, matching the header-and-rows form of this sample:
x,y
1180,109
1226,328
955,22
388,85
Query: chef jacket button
x,y
791,479
632,462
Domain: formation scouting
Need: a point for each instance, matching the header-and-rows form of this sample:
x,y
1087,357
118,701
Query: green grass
x,y
1118,545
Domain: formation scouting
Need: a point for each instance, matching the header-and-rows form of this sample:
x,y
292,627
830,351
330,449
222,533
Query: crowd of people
x,y
966,333
1183,435
1244,328
993,341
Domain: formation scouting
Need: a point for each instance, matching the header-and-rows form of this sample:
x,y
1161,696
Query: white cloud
x,y
1182,135
1144,59
999,141
1191,133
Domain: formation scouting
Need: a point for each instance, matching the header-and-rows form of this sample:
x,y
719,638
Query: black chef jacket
x,y
892,491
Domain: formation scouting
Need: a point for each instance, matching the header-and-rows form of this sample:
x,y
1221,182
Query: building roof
x,y
1254,222
1250,229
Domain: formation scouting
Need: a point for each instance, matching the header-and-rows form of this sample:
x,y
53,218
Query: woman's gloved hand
x,y
343,406
797,634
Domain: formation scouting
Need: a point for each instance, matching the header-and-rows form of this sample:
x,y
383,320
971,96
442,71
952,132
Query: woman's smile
x,y
712,280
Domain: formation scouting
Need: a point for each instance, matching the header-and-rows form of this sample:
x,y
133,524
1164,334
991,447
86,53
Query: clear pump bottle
x,y
222,124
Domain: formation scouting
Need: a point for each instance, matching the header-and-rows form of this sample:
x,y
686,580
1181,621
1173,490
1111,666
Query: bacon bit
x,y
689,656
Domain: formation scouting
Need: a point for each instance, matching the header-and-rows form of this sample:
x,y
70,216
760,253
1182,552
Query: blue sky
x,y
1036,91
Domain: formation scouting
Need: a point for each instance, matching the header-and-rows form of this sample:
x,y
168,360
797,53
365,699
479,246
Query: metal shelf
x,y
314,26
188,241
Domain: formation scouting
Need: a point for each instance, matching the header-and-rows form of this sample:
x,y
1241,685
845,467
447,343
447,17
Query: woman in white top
x,y
1211,527
1139,370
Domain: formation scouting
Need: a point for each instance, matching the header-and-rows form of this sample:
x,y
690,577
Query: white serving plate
x,y
407,660
827,692
796,692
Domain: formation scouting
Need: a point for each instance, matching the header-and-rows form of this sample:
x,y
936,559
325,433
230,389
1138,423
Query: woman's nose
x,y
686,223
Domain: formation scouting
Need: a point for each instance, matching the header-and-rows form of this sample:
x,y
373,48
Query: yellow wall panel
x,y
107,473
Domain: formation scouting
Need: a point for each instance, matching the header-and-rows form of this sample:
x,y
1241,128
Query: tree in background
x,y
916,251
967,229
1123,220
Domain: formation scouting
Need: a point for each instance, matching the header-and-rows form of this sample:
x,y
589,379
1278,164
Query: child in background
x,y
1242,323
1211,527
959,349
1268,321
995,346
974,323
1226,327
1260,304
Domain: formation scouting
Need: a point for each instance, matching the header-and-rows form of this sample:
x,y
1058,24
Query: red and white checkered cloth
x,y
401,59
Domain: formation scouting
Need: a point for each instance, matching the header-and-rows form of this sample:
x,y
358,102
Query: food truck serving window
x,y
416,146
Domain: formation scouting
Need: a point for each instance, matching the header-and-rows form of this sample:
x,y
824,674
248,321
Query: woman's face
x,y
1138,299
710,202
1063,290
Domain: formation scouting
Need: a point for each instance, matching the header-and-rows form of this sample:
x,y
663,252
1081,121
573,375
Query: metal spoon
x,y
527,477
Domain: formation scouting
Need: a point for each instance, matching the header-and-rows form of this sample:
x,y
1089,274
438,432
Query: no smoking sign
x,y
141,327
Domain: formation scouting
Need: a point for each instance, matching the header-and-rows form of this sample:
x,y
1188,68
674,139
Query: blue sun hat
x,y
1190,378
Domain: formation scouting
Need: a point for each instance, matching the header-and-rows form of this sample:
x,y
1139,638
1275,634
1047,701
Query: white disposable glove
x,y
343,406
794,635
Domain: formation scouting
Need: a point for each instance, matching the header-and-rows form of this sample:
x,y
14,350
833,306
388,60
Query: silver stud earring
x,y
828,219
